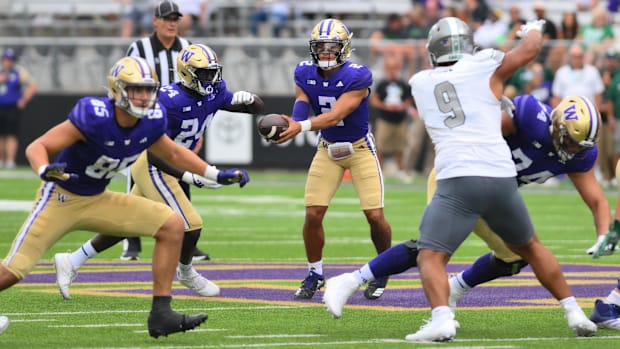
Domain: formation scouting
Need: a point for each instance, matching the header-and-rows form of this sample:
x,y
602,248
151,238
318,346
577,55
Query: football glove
x,y
233,175
609,243
508,106
242,97
56,173
537,24
199,181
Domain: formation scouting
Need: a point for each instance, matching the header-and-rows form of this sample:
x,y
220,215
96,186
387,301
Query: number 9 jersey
x,y
109,148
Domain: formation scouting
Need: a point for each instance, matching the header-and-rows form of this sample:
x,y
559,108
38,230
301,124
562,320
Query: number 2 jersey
x,y
463,117
108,148
532,147
323,94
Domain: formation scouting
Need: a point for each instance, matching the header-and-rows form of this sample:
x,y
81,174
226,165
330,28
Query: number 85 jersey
x,y
108,148
463,117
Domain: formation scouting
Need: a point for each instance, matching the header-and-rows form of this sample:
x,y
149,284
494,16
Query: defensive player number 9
x,y
448,102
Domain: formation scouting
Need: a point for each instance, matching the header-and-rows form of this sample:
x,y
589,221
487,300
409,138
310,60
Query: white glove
x,y
508,106
537,24
242,97
199,181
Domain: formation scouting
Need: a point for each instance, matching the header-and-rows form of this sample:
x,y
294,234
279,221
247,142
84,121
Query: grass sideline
x,y
262,224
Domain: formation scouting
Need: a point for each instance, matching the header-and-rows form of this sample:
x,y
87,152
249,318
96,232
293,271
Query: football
x,y
271,125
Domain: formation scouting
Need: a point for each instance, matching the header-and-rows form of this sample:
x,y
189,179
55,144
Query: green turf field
x,y
261,225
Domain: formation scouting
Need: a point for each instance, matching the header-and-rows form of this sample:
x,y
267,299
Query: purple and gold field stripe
x,y
276,283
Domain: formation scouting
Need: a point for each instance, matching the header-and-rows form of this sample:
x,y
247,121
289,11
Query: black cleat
x,y
130,256
165,323
375,288
200,255
312,283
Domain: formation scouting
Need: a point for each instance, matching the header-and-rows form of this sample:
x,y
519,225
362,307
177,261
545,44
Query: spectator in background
x,y
392,100
492,32
515,22
478,11
138,18
569,27
275,12
596,36
550,31
194,17
16,89
395,28
536,83
606,155
612,101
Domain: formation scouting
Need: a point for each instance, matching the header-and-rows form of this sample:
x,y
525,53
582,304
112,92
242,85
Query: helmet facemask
x,y
125,100
330,36
204,80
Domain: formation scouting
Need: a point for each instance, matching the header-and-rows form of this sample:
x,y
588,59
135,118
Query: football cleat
x,y
578,322
338,291
375,288
168,322
197,283
608,245
65,273
130,256
606,315
200,255
434,331
312,283
4,324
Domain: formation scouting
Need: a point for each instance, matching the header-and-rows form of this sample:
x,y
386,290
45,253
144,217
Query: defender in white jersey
x,y
459,101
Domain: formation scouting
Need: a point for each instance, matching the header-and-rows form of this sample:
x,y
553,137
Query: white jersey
x,y
463,117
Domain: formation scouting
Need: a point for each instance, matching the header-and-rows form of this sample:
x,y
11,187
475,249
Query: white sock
x,y
441,313
613,298
569,304
316,267
364,275
185,267
461,283
82,254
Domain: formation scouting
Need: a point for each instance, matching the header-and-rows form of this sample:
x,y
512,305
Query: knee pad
x,y
508,269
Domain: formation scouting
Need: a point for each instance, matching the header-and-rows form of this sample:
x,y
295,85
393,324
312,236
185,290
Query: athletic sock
x,y
316,267
483,270
364,274
82,254
394,260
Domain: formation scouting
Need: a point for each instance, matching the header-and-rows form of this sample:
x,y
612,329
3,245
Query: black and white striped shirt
x,y
163,60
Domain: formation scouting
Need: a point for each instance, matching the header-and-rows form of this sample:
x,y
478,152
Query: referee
x,y
160,50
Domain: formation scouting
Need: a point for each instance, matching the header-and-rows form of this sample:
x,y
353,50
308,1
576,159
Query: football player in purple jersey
x,y
544,143
101,137
190,106
337,90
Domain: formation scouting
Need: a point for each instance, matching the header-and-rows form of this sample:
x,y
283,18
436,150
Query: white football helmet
x,y
132,72
330,35
199,68
575,124
449,40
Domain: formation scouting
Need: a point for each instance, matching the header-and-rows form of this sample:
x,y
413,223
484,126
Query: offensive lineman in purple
x,y
533,152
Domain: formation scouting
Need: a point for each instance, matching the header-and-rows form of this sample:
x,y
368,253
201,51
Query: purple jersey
x,y
323,94
532,146
108,148
189,114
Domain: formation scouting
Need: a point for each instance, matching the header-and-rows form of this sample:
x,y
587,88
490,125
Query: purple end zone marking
x,y
488,295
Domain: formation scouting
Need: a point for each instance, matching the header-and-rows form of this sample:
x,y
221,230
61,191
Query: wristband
x,y
300,110
211,173
187,177
306,125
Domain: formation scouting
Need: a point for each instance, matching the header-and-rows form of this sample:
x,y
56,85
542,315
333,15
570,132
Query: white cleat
x,y
579,322
197,283
4,324
456,292
435,331
65,273
338,291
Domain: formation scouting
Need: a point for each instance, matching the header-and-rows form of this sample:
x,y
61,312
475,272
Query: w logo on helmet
x,y
186,55
117,69
570,113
